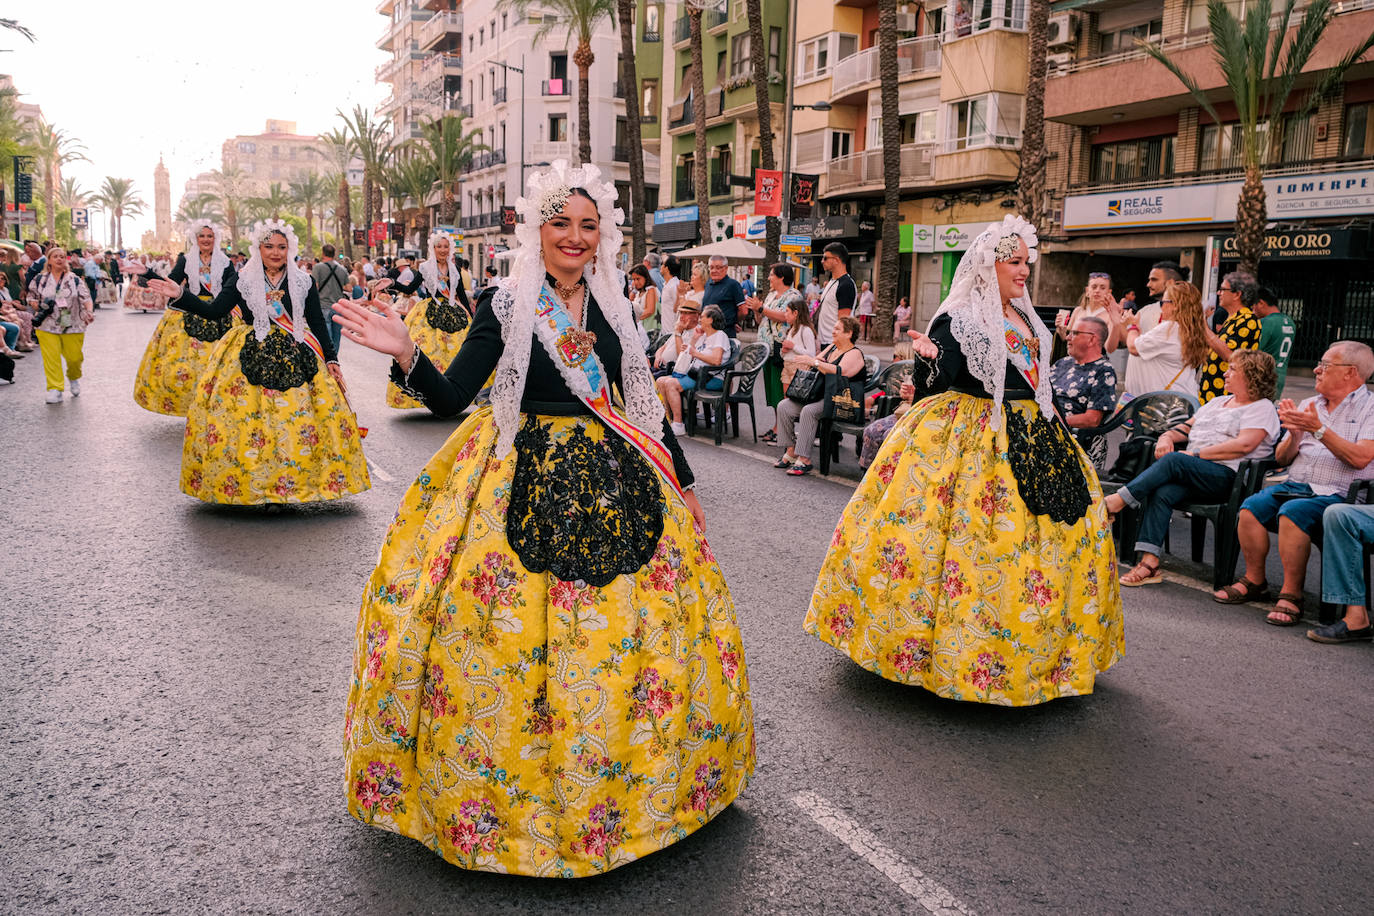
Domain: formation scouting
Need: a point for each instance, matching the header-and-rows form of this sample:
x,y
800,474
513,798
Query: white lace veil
x,y
218,259
253,280
974,305
429,268
515,300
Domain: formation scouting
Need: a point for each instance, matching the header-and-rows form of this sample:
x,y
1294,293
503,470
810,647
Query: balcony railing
x,y
487,160
914,55
465,110
618,90
981,141
556,87
648,119
442,24
652,37
548,151
682,29
720,185
999,14
436,65
685,190
498,96
620,154
1218,176
866,168
717,16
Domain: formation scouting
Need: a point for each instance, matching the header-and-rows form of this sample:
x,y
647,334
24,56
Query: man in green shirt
x,y
9,267
1276,333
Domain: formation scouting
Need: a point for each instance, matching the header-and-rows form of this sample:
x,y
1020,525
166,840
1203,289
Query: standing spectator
x,y
1084,385
13,273
1276,331
1096,302
490,273
1240,331
865,311
697,290
652,261
465,271
840,294
332,283
116,278
812,292
778,317
747,284
64,303
1168,356
369,271
36,261
672,288
1346,530
1330,444
644,299
1162,273
724,292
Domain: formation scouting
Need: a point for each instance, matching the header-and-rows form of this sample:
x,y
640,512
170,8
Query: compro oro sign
x,y
1337,244
1152,207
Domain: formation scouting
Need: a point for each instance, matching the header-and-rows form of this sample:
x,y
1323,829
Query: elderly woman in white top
x,y
691,351
1225,431
1169,355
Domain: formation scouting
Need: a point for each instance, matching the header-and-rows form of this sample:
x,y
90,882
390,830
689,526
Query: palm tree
x,y
629,79
1259,78
338,149
276,200
71,195
118,197
703,194
447,147
54,149
412,178
200,207
765,107
372,143
1031,186
312,192
582,18
888,271
229,185
13,25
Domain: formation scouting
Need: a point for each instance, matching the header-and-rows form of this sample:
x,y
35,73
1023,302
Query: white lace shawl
x,y
218,260
253,281
517,296
429,269
974,305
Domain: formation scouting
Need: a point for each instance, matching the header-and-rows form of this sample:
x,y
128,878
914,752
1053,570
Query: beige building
x,y
425,69
278,154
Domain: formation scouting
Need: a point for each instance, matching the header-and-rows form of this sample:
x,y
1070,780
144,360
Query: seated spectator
x,y
1276,331
707,346
1168,356
901,318
1240,331
1224,432
1084,384
666,356
1329,446
874,433
1346,529
797,423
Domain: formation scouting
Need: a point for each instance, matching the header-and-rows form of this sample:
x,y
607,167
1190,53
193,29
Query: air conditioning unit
x,y
906,22
1058,61
1062,29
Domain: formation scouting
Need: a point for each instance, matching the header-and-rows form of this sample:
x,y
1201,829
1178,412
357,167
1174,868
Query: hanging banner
x,y
803,195
507,219
768,192
398,232
359,236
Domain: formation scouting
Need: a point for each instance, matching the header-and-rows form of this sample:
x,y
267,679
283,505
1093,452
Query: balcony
x,y
385,72
652,37
486,160
684,190
1006,15
498,96
915,57
863,171
714,18
399,25
439,27
464,111
620,154
558,87
437,66
618,90
720,185
386,6
549,151
682,30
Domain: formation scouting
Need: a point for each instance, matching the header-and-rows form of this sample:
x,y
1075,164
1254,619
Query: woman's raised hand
x,y
922,345
375,325
168,288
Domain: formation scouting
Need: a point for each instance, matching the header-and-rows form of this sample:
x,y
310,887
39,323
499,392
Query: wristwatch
x,y
1321,431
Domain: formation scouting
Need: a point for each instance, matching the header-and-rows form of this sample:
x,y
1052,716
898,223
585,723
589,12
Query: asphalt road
x,y
176,674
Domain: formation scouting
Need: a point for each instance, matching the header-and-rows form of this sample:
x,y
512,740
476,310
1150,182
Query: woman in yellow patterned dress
x,y
181,345
548,677
266,425
975,559
439,321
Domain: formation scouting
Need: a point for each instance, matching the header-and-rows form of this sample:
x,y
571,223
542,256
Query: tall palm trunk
x,y
367,207
309,229
50,198
765,107
888,267
629,78
1251,215
1033,156
448,206
699,116
119,226
584,58
345,218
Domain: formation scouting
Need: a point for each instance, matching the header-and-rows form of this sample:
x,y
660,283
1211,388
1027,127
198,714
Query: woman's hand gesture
x,y
922,345
169,288
376,326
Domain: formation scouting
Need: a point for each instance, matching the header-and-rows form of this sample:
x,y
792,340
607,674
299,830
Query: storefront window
x,y
1133,160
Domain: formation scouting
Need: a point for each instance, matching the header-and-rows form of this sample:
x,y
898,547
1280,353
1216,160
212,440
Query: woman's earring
x,y
593,267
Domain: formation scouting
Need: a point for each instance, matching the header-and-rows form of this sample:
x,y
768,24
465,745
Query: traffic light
x,y
23,188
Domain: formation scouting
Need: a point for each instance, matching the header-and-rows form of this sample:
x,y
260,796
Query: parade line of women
x,y
548,673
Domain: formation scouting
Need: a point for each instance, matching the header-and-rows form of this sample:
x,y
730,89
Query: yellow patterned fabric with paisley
x,y
248,444
172,364
939,576
513,721
428,322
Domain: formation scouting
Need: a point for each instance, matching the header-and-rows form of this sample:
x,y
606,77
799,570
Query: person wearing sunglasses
x,y
1241,331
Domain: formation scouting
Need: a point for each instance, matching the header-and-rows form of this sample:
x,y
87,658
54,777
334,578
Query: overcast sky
x,y
137,79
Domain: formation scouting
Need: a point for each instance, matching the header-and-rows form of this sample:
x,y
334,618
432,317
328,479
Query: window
x,y
774,51
481,87
292,153
1222,147
482,35
808,148
1196,13
986,120
649,104
558,66
245,147
841,142
1125,39
1133,160
652,16
276,152
815,55
1359,131
967,17
740,63
685,188
558,128
919,127
935,21
505,21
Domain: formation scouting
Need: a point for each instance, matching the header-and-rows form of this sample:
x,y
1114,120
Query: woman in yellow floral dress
x,y
439,321
181,345
975,559
267,425
548,677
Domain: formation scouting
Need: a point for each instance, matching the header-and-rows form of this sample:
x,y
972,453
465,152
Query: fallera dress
x,y
975,562
268,423
438,323
548,677
180,349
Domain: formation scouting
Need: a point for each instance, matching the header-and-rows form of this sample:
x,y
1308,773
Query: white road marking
x,y
930,895
845,482
378,472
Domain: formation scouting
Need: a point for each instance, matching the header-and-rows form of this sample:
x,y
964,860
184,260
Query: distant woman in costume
x,y
268,424
180,347
975,559
439,321
548,677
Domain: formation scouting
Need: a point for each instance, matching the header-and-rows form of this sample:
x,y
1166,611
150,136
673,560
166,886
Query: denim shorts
x,y
1294,501
688,383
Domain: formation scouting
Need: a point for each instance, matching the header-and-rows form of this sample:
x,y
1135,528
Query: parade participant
x,y
62,311
180,347
266,425
548,674
439,322
975,559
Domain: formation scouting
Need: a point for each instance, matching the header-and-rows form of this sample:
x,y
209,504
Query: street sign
x,y
795,244
21,218
79,218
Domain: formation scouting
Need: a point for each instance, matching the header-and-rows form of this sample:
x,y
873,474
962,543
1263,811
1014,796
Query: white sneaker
x,y
75,386
679,429
54,396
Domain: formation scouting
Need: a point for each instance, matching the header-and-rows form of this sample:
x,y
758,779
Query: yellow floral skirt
x,y
939,576
172,364
515,722
248,445
440,346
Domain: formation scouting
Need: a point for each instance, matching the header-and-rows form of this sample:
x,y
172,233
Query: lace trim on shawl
x,y
252,282
219,261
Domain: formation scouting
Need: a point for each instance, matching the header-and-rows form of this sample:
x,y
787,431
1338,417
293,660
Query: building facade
x,y
277,155
425,70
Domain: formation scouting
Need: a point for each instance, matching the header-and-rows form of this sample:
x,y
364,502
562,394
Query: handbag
x,y
844,399
807,386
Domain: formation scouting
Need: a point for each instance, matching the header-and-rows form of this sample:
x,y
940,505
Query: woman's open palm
x,y
375,325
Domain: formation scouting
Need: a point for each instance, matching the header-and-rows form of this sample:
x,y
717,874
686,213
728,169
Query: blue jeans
x,y
11,333
1295,502
688,383
335,330
1172,480
1347,528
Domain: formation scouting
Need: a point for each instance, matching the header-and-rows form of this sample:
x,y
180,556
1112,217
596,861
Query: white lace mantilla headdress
x,y
253,280
218,259
429,269
974,305
517,296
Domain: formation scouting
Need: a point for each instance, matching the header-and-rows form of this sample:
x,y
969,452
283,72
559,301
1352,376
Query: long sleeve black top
x,y
953,373
447,394
417,281
178,274
229,297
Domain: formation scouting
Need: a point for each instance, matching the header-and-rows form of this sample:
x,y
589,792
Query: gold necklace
x,y
565,291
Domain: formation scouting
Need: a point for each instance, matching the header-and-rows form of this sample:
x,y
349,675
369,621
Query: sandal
x,y
799,470
784,462
770,437
1141,574
1283,618
1244,590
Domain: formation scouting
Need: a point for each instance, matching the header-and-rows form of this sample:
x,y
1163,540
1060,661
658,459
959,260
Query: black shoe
x,y
1336,633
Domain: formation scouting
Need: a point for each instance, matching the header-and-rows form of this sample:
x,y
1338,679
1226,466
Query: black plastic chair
x,y
831,432
739,389
871,366
704,375
1223,516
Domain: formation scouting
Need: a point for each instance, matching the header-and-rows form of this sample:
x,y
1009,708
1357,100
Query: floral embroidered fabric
x,y
447,317
208,330
277,362
1046,467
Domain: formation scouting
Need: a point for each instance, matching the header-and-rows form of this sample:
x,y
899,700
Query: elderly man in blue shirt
x,y
724,291
91,270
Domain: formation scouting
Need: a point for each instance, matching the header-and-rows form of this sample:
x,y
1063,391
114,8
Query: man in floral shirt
x,y
1236,295
1084,385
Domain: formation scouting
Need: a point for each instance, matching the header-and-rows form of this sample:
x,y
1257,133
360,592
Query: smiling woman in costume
x,y
180,348
266,425
548,674
975,559
439,321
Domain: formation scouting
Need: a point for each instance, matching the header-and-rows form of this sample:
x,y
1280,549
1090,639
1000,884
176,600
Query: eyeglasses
x,y
1072,333
1225,289
1325,364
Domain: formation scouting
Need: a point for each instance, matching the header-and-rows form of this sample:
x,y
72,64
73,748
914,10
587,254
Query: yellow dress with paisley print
x,y
175,359
438,329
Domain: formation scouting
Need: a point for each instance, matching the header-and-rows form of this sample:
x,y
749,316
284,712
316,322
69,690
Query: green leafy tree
x,y
118,198
312,194
53,149
582,19
447,146
337,146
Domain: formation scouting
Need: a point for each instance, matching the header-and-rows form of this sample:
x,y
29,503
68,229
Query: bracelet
x,y
1133,327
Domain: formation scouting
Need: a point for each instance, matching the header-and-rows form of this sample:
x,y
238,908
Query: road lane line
x,y
930,895
378,472
845,482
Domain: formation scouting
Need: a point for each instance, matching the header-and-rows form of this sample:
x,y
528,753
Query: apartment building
x,y
277,155
425,70
1140,173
